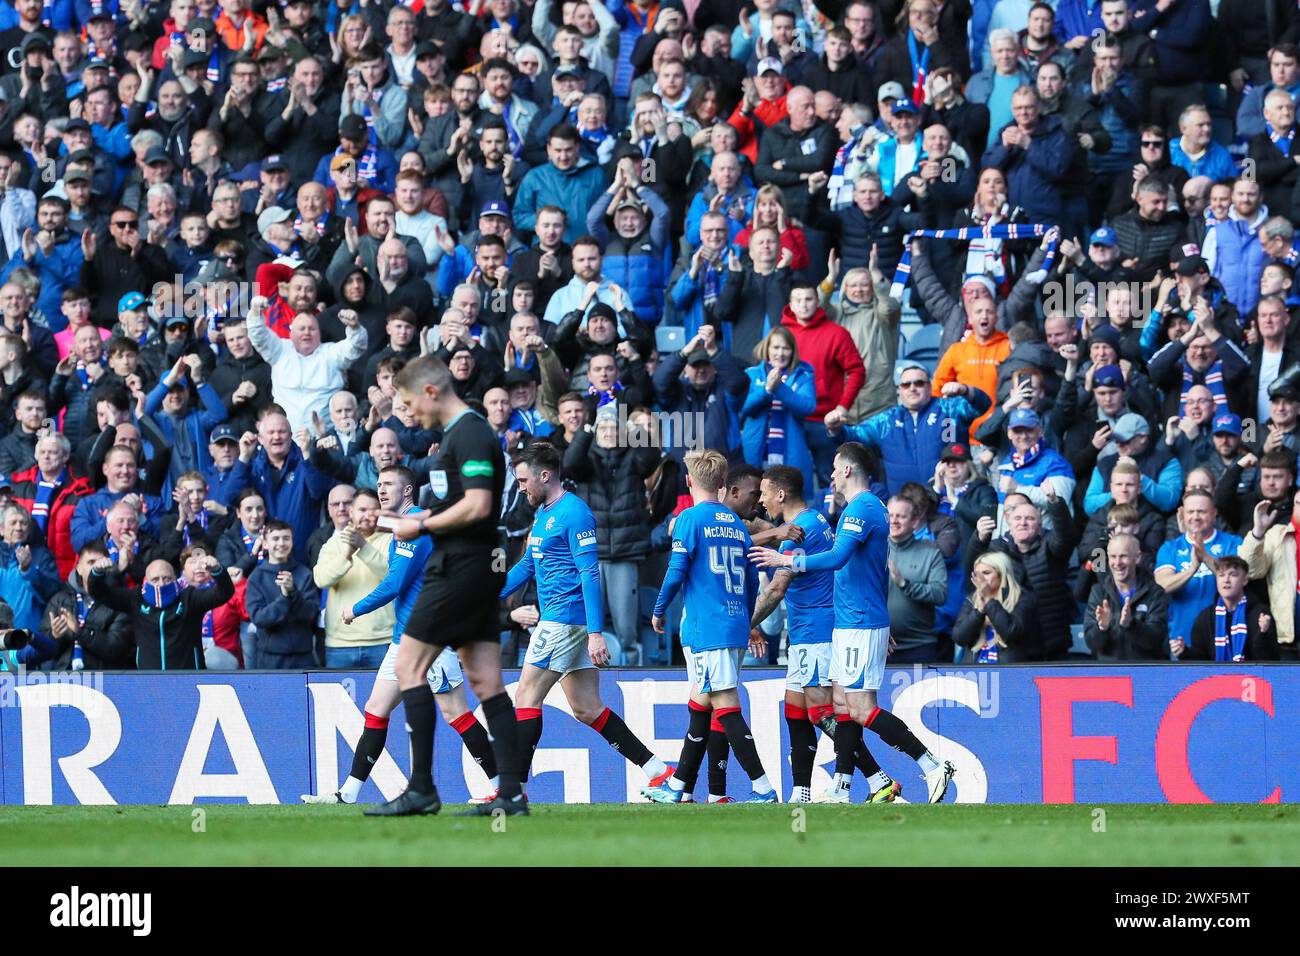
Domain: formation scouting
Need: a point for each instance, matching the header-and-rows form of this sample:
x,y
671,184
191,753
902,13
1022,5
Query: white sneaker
x,y
801,795
937,780
334,797
832,795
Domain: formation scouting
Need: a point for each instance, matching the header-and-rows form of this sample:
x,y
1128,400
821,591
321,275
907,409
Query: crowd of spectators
x,y
1038,258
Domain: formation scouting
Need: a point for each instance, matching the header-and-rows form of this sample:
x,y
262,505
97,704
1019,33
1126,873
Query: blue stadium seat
x,y
923,346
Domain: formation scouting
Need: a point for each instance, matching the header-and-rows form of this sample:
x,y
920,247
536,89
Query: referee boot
x,y
410,803
510,807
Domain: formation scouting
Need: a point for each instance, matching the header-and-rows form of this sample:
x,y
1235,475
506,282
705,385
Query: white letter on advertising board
x,y
78,769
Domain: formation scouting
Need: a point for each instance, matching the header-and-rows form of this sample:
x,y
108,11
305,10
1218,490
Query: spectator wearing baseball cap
x,y
763,108
1031,467
275,184
1162,475
912,435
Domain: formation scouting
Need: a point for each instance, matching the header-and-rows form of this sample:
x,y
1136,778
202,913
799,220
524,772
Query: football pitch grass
x,y
644,835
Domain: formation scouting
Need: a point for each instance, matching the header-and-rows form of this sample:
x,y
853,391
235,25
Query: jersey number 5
x,y
729,564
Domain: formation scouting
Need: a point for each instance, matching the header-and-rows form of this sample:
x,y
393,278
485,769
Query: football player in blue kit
x,y
718,585
567,645
860,640
810,620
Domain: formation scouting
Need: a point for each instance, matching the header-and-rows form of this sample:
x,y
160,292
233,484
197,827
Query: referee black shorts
x,y
459,601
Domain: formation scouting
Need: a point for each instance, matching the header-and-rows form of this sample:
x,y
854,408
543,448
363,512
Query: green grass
x,y
614,835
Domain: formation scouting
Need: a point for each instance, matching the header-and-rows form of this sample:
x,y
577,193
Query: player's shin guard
x,y
803,745
611,726
848,741
476,741
420,710
370,746
718,748
529,724
742,743
500,714
895,733
688,767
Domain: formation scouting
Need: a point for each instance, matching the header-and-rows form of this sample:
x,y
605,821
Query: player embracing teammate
x,y
860,640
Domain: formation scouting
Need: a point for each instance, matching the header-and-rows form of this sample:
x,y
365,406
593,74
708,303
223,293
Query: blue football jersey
x,y
710,565
561,556
860,562
402,583
810,599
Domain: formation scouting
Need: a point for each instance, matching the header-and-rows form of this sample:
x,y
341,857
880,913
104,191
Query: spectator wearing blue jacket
x,y
1196,151
1162,473
782,393
636,254
292,488
283,602
736,202
29,576
1232,248
1031,463
913,434
696,284
122,480
567,181
187,429
634,18
54,254
109,131
1034,155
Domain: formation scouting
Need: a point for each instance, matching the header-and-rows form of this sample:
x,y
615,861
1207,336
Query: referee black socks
x,y
500,714
420,715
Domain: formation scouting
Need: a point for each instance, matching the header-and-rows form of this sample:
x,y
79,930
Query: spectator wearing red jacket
x,y
50,490
838,367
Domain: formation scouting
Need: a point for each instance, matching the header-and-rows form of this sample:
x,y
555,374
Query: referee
x,y
457,605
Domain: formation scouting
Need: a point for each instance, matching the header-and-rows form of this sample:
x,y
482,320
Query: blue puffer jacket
x,y
60,269
911,443
1047,464
688,298
798,396
639,265
1236,258
573,190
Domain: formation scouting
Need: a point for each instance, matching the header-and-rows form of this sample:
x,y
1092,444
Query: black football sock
x,y
500,714
688,767
370,746
719,750
611,726
864,760
420,710
803,745
848,738
742,742
895,733
529,725
475,736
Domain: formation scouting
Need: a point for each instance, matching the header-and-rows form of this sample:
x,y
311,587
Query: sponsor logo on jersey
x,y
406,548
477,468
679,547
438,482
550,523
852,525
723,516
586,539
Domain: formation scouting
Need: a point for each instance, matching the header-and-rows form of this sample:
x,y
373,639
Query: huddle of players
x,y
834,584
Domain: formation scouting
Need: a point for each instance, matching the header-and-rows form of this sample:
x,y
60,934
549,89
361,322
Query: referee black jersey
x,y
469,456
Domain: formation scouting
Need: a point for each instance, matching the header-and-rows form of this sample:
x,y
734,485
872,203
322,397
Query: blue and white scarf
x,y
988,652
1283,143
1006,231
1230,634
45,497
1213,381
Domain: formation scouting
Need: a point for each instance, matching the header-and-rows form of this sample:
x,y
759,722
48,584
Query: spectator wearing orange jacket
x,y
974,360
